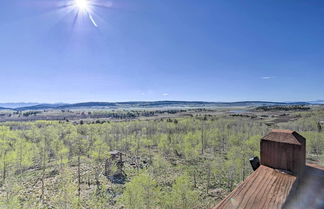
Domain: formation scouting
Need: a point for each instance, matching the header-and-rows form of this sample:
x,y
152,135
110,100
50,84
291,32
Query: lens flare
x,y
85,8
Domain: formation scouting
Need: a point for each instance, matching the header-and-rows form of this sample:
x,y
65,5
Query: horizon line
x,y
126,101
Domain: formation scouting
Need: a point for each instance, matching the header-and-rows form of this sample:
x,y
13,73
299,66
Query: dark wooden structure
x,y
116,154
283,181
115,158
284,149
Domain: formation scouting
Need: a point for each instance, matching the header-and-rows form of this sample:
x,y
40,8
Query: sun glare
x,y
82,5
84,8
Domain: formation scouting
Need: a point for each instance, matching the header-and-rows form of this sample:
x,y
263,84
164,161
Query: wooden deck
x,y
264,188
269,188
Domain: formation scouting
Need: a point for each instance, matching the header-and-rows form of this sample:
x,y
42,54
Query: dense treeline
x,y
175,163
284,108
89,114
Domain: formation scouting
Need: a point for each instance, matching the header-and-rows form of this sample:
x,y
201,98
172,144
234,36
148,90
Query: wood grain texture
x,y
269,188
264,188
283,149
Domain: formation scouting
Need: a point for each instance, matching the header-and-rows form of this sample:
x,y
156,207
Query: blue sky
x,y
212,50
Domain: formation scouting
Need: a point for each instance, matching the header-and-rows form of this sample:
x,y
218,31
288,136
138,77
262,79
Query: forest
x,y
187,162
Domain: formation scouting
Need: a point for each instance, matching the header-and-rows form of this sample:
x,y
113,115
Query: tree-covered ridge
x,y
284,108
189,162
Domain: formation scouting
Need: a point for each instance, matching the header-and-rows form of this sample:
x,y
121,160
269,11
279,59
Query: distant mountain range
x,y
317,102
17,105
141,104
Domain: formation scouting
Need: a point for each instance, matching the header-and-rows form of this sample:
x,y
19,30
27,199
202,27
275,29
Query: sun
x,y
84,8
82,5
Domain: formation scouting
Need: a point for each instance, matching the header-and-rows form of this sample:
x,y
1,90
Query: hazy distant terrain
x,y
17,105
144,104
137,110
